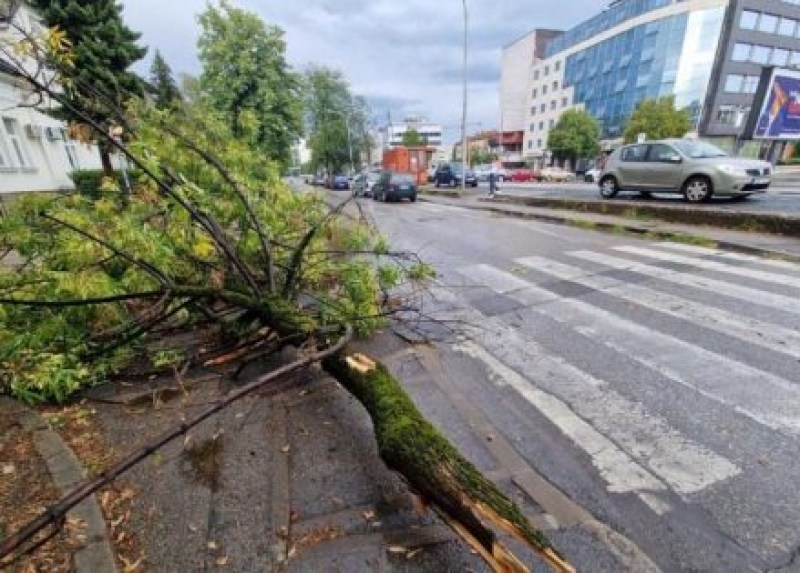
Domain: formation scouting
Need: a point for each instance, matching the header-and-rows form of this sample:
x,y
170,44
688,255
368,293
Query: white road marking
x,y
750,330
778,264
765,398
749,295
760,275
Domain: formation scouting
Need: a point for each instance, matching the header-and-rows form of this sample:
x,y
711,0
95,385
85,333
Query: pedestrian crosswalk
x,y
637,446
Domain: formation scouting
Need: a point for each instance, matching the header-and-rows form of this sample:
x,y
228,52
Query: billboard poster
x,y
779,113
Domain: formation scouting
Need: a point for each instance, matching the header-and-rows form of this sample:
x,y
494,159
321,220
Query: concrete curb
x,y
661,234
67,471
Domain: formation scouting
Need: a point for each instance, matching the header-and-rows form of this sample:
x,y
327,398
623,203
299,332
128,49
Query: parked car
x,y
319,180
482,172
524,176
393,186
556,174
450,174
363,183
696,169
592,175
339,182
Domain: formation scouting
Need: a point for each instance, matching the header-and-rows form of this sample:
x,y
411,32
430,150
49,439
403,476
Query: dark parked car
x,y
450,174
392,186
340,182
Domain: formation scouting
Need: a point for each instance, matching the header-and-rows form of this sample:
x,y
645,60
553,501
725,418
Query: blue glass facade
x,y
605,20
670,56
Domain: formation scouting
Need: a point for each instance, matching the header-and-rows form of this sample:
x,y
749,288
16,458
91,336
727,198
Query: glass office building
x,y
673,55
708,54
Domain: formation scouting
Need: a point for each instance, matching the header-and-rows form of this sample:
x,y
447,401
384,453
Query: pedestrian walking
x,y
492,184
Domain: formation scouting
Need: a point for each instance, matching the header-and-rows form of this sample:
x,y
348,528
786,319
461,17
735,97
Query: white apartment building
x,y
36,153
432,132
547,99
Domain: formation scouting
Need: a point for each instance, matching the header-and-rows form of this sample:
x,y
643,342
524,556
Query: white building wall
x,y
35,151
517,60
431,131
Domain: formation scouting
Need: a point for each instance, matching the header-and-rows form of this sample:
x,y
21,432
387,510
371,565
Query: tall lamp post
x,y
464,109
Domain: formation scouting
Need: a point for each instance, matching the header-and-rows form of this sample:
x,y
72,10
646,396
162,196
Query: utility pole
x,y
464,109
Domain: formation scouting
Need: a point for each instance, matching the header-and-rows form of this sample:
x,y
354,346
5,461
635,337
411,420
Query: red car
x,y
524,176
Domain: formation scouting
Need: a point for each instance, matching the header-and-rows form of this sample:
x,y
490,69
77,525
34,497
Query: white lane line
x,y
785,265
616,468
765,398
496,279
749,295
771,336
764,276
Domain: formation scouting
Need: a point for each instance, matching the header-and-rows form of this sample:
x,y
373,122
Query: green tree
x,y
575,135
412,138
657,119
337,123
104,48
246,78
162,85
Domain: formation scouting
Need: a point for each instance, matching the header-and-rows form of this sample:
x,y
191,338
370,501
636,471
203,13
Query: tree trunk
x,y
471,504
105,159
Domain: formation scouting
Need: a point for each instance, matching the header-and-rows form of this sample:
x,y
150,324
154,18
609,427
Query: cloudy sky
x,y
404,56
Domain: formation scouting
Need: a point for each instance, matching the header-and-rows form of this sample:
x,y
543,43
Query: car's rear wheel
x,y
697,189
414,198
608,187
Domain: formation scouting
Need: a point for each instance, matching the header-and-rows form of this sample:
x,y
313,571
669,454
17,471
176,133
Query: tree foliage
x,y
413,138
247,79
104,48
337,122
657,119
575,135
162,84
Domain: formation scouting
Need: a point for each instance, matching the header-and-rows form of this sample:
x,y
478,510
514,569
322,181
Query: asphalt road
x,y
783,196
655,384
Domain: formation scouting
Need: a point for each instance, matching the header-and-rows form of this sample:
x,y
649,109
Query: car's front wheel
x,y
608,187
697,189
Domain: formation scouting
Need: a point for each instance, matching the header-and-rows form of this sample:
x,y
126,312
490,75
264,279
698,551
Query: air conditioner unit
x,y
33,131
52,133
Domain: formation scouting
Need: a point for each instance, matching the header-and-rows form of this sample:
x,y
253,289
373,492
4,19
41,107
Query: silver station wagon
x,y
696,169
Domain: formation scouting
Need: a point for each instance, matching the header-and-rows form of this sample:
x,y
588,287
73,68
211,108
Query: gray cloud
x,y
404,57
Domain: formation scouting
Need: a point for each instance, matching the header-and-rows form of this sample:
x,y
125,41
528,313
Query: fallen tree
x,y
209,239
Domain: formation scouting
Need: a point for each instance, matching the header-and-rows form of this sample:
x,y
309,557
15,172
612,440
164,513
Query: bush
x,y
88,181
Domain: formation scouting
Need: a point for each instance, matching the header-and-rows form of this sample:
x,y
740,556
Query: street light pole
x,y
464,109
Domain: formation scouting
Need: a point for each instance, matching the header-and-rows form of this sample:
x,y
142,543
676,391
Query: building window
x,y
780,57
733,83
741,52
535,92
786,27
539,143
555,86
533,110
547,70
535,74
551,124
18,151
750,84
532,127
748,20
543,108
794,61
5,160
760,54
557,66
726,114
553,104
544,89
564,101
767,23
541,125
69,147
530,143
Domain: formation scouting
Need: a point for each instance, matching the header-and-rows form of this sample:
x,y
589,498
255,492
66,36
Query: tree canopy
x,y
162,84
246,78
657,119
575,135
413,138
337,122
104,48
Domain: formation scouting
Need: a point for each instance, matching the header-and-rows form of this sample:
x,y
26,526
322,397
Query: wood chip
x,y
221,561
285,449
397,549
212,546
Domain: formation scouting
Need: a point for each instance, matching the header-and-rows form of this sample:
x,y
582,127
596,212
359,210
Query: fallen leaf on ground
x,y
368,515
397,549
411,554
221,561
212,546
285,449
129,566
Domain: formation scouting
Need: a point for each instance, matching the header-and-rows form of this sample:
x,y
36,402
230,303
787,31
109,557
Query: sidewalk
x,y
510,204
293,481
